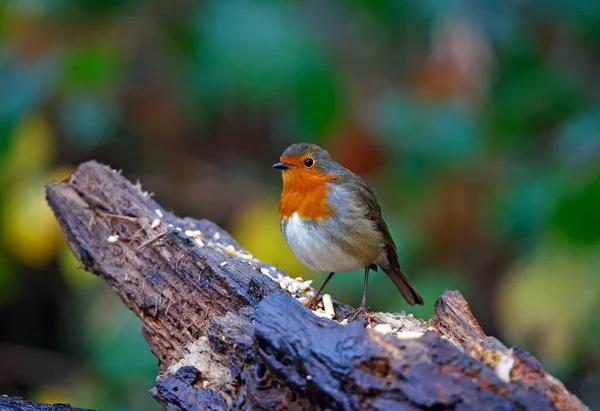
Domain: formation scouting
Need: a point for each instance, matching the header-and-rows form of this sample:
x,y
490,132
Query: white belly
x,y
311,245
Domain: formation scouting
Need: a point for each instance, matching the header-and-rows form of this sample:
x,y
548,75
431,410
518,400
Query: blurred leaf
x,y
31,150
572,217
522,209
530,96
28,226
23,85
578,141
253,48
93,65
115,343
51,395
88,119
547,301
319,101
443,132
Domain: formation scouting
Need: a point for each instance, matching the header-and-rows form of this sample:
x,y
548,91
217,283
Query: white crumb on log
x,y
223,264
155,223
193,233
504,366
408,335
383,328
328,305
199,242
112,238
321,313
305,285
159,213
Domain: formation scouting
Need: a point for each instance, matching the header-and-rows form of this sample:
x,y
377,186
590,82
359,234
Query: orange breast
x,y
305,194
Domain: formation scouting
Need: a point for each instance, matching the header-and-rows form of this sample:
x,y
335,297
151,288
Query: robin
x,y
331,220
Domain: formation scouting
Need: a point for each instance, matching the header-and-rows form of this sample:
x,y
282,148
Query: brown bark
x,y
226,335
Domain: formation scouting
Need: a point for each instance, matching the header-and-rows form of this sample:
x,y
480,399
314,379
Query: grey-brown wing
x,y
393,271
374,213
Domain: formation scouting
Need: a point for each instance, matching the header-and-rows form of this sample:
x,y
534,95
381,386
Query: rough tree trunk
x,y
230,332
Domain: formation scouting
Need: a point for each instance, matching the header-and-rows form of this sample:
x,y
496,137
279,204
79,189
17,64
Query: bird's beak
x,y
281,165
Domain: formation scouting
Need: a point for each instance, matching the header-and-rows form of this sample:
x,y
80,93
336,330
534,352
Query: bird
x,y
332,222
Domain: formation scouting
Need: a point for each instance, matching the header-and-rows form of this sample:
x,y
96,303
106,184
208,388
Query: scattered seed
x,y
224,263
409,335
113,238
321,313
199,242
328,305
216,236
231,249
283,283
383,328
155,223
193,233
504,366
159,213
305,285
304,301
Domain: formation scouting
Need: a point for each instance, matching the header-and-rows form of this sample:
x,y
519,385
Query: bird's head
x,y
306,164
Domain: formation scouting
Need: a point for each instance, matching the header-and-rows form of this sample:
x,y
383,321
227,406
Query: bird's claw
x,y
355,314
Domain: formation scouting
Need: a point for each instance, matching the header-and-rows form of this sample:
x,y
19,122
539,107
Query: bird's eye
x,y
309,162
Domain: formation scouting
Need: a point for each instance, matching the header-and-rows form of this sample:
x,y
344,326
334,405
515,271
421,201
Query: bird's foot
x,y
313,302
357,313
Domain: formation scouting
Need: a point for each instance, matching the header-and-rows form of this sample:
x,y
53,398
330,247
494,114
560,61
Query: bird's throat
x,y
306,196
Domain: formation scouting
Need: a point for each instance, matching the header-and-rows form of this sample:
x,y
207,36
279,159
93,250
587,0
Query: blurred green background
x,y
477,123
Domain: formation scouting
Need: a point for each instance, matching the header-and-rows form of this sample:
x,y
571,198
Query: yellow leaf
x,y
546,301
29,228
51,395
31,148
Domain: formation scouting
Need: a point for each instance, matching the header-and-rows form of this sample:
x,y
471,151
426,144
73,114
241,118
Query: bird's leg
x,y
312,304
363,304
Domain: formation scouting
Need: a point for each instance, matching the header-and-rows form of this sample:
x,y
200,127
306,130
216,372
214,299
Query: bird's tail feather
x,y
406,288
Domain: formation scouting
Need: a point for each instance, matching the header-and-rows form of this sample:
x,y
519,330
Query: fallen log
x,y
231,332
